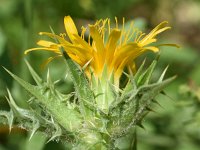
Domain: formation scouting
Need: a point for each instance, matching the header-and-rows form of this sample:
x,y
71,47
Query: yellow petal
x,y
56,37
131,67
129,62
173,45
162,30
45,63
97,39
80,49
98,44
149,41
82,54
70,28
79,41
125,51
43,48
76,59
120,68
45,43
158,29
112,44
152,48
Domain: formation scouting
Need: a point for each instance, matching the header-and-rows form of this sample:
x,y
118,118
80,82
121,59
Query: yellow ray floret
x,y
120,49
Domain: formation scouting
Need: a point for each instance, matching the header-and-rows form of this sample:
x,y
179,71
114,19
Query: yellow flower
x,y
111,47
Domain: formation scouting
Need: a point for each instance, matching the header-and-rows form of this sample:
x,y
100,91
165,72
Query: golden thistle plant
x,y
101,113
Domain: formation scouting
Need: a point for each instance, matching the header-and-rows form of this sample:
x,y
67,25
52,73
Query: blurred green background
x,y
174,126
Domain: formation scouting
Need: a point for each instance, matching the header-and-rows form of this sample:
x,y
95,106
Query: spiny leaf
x,y
148,93
24,113
139,71
146,99
126,94
30,88
68,118
150,109
80,82
156,102
130,85
162,75
81,85
57,133
156,86
9,116
114,90
49,82
86,65
145,77
140,125
165,94
36,126
35,76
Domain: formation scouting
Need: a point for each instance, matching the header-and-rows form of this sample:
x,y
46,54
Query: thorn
x,y
32,133
35,128
57,81
149,109
30,99
48,75
156,102
99,94
126,74
141,126
35,76
163,74
163,93
86,64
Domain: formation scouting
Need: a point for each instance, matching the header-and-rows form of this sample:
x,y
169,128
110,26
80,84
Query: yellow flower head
x,y
111,47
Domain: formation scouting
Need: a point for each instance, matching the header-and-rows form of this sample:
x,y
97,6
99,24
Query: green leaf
x,y
139,71
35,76
130,116
81,84
148,94
67,118
9,116
145,77
162,75
24,113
